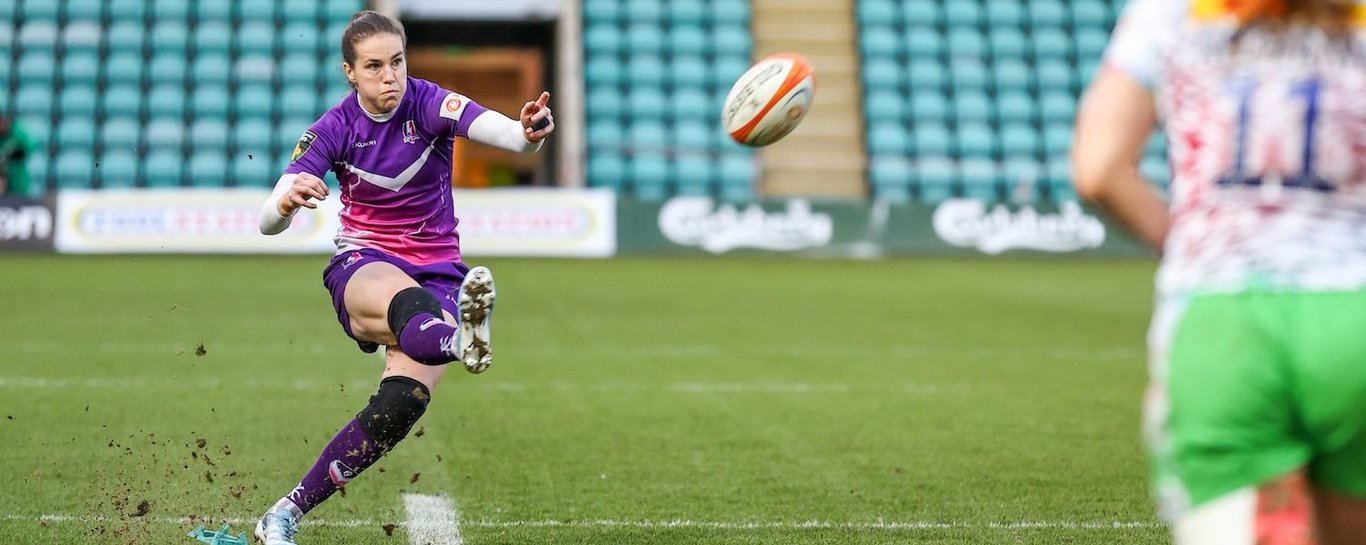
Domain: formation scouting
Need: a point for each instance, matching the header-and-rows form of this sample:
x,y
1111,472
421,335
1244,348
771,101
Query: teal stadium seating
x,y
656,73
166,93
977,97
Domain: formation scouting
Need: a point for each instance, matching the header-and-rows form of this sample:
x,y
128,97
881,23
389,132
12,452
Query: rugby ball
x,y
769,100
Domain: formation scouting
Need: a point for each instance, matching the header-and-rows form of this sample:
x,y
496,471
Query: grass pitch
x,y
631,401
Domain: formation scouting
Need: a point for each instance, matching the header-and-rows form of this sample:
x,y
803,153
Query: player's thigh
x,y
1219,409
1341,519
367,298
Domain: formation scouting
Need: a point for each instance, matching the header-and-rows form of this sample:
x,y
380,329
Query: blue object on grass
x,y
221,537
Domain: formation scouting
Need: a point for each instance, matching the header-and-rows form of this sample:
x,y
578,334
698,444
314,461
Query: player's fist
x,y
302,191
537,122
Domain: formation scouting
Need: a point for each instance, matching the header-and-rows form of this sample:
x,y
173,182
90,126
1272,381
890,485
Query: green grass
x,y
973,393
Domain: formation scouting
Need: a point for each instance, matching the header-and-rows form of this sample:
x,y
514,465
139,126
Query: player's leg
x,y
388,307
1226,447
1341,519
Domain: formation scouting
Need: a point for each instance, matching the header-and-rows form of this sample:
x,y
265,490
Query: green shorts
x,y
1248,387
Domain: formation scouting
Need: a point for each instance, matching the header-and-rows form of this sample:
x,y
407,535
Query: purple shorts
x,y
439,279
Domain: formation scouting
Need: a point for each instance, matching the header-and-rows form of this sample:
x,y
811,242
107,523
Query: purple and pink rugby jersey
x,y
395,171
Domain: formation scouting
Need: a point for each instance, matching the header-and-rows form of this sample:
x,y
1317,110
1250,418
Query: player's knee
x,y
408,303
393,410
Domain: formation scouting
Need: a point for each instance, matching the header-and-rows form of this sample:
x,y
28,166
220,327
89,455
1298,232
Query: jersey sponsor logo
x,y
351,260
304,142
429,323
364,144
453,105
409,132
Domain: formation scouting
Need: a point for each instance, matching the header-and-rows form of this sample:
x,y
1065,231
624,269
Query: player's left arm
x,y
524,135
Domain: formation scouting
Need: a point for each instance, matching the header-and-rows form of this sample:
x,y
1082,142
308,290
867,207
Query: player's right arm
x,y
301,183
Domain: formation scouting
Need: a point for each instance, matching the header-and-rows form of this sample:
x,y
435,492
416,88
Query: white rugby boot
x,y
277,527
476,314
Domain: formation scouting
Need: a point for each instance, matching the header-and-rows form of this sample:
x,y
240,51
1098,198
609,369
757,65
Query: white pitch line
x,y
431,520
643,524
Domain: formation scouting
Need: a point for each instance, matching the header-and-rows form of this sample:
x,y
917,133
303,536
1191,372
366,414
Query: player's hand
x,y
305,188
537,123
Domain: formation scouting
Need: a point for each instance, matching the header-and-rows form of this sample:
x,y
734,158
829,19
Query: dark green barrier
x,y
693,225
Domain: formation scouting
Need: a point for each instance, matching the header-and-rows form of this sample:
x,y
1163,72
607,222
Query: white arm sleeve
x,y
1144,32
499,131
272,223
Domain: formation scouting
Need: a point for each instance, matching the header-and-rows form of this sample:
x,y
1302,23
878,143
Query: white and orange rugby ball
x,y
769,100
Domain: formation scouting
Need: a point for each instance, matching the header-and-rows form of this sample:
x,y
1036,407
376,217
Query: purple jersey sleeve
x,y
446,112
317,148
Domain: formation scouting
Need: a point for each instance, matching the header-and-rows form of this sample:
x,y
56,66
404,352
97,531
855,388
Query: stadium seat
x,y
34,100
1089,14
209,135
735,40
82,37
606,170
688,40
169,36
1156,169
132,12
888,138
605,103
74,169
255,70
288,132
602,39
1051,43
39,129
167,100
256,38
1057,107
79,101
935,177
38,36
932,139
164,168
929,107
120,133
921,13
215,11
968,75
885,105
1007,43
607,136
972,107
962,14
872,12
979,179
1011,75
1019,140
605,11
692,136
646,70
258,11
167,68
209,101
737,172
171,11
923,42
91,11
126,36
252,171
36,67
212,37
695,174
644,39
302,12
6,68
123,68
891,178
210,69
1046,13
649,175
687,12
1015,107
253,101
687,71
1054,75
41,11
165,134
879,42
117,169
975,139
299,37
1003,14
690,104
1090,42
646,103
76,132
80,69
648,137
121,100
1057,139
729,12
208,169
727,69
967,43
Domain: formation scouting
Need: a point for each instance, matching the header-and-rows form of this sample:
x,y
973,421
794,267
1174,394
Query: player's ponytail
x,y
365,24
1332,16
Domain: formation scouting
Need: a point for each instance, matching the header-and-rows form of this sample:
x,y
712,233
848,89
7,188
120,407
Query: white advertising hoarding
x,y
502,222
